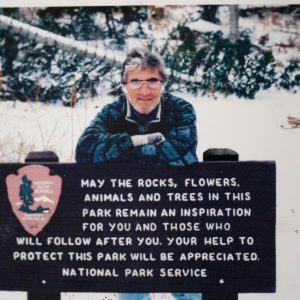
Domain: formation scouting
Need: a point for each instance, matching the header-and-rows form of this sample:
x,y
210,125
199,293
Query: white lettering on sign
x,y
185,197
37,255
108,197
96,213
28,241
80,256
92,183
215,212
218,240
167,256
127,212
155,182
149,197
145,227
114,241
238,196
138,272
114,256
183,272
125,183
64,241
217,226
142,257
219,256
148,241
92,227
210,182
92,272
168,212
182,241
189,226
119,226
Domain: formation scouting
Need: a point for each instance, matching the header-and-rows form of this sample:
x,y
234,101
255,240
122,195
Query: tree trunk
x,y
233,23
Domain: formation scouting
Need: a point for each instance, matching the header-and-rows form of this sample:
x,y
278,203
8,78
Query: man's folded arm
x,y
177,149
178,146
96,145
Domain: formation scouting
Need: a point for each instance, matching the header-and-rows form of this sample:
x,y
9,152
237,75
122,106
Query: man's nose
x,y
144,89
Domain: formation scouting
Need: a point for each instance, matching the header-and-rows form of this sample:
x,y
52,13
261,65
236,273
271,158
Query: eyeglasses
x,y
152,83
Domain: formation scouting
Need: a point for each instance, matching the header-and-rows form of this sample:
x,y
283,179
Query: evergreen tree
x,y
47,73
25,194
289,77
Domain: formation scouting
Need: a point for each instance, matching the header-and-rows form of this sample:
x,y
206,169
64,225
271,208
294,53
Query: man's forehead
x,y
142,74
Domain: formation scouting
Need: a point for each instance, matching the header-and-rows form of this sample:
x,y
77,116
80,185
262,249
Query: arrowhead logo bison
x,y
33,195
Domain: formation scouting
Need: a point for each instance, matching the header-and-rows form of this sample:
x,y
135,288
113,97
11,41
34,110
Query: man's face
x,y
144,98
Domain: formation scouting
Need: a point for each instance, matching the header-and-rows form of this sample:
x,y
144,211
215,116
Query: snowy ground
x,y
252,128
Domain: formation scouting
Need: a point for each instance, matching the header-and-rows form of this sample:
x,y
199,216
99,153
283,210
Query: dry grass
x,y
39,127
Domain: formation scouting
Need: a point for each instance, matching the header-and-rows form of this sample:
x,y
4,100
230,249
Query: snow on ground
x,y
250,127
33,126
204,26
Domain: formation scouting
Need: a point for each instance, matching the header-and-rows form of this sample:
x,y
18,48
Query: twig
x,y
41,133
286,31
51,135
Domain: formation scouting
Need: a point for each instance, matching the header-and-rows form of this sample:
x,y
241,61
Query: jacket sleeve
x,y
97,145
179,148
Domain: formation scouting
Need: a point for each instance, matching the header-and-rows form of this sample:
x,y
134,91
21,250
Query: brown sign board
x,y
125,228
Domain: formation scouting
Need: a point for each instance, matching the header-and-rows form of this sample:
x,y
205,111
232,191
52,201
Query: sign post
x,y
217,154
34,157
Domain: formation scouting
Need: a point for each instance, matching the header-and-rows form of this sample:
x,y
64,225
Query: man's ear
x,y
162,89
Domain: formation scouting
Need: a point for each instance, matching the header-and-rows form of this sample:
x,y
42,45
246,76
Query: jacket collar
x,y
129,113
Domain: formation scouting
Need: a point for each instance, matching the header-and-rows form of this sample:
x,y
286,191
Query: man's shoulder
x,y
115,108
176,103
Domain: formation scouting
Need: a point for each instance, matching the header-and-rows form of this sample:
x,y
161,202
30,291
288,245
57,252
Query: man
x,y
144,125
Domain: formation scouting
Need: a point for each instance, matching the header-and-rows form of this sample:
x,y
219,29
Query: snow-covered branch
x,y
55,40
48,38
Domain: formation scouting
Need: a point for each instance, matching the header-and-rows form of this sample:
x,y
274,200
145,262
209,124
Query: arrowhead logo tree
x,y
26,194
34,196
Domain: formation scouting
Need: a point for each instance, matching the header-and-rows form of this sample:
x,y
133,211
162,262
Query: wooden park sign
x,y
123,228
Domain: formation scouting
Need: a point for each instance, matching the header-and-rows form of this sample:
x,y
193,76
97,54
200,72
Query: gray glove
x,y
155,138
144,139
139,140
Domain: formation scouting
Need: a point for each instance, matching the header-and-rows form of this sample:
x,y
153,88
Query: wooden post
x,y
219,296
220,154
42,157
37,296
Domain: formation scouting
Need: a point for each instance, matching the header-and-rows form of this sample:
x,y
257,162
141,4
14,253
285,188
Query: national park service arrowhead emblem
x,y
34,195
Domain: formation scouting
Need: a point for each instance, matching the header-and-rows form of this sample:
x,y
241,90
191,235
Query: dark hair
x,y
143,58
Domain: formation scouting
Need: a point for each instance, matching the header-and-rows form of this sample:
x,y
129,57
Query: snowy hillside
x,y
228,122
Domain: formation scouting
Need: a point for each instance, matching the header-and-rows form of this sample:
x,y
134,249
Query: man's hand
x,y
144,139
155,138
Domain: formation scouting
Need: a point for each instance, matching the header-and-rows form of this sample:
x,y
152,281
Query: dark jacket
x,y
107,139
